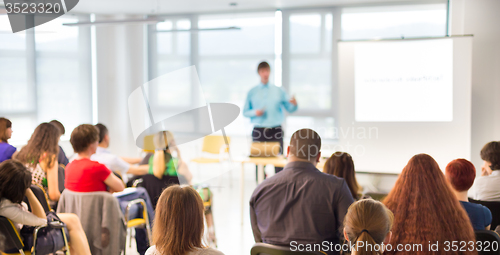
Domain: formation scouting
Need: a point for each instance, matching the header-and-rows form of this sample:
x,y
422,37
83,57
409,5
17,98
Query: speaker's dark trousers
x,y
273,134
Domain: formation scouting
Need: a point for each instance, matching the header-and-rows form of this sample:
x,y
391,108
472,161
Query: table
x,y
261,162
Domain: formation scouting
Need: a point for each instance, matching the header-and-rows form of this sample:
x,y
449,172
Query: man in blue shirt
x,y
264,106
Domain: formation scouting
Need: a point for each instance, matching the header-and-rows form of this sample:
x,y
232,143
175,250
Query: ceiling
x,y
206,6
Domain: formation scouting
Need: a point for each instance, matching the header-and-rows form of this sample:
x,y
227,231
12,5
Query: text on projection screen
x,y
404,81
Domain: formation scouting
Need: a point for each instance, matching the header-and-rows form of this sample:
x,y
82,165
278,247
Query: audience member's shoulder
x,y
210,251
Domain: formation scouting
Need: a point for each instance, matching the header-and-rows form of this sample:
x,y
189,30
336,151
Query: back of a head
x,y
4,125
178,226
103,131
491,153
425,208
14,180
82,136
341,165
461,174
163,140
44,139
59,125
366,224
305,144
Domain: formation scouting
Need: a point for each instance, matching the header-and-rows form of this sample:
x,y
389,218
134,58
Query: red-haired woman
x,y
461,174
427,212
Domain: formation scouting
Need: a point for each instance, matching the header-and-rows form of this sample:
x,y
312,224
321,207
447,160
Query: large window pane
x,y
63,82
228,58
305,33
8,40
255,37
174,50
310,74
394,21
17,100
310,81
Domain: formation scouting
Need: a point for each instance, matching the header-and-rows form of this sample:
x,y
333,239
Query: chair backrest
x,y
269,249
148,144
101,217
61,176
9,237
265,149
494,208
155,186
213,144
490,242
41,196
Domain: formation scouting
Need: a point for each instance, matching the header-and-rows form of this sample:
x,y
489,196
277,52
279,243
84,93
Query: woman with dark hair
x,y
461,173
178,228
426,211
341,165
40,156
486,187
369,222
15,181
6,150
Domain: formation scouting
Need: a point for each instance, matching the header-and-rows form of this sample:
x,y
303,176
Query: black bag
x,y
49,239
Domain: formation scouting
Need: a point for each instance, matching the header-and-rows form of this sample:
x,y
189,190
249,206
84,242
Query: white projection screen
x,y
398,98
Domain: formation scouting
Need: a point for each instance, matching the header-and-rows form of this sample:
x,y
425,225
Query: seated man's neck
x,y
292,158
103,145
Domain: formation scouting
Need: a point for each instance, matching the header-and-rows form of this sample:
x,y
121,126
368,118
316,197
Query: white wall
x,y
120,70
481,18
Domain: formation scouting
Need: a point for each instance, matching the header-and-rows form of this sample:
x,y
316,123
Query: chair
x,y
40,194
213,145
494,208
490,242
14,241
138,222
9,237
155,186
101,217
269,249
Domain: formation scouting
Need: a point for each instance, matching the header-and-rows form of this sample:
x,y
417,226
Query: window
x,y
300,46
228,58
309,71
173,53
427,20
310,74
52,82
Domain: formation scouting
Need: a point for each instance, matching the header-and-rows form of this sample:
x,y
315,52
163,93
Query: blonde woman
x,y
368,223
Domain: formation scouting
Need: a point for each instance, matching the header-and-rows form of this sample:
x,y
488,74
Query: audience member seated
x,y
486,187
83,174
6,150
300,203
178,225
426,211
61,157
368,222
86,175
341,165
163,163
111,161
461,174
15,181
40,156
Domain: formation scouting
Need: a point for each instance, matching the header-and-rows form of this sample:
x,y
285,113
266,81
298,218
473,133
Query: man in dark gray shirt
x,y
300,205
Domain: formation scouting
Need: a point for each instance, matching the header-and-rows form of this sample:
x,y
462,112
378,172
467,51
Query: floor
x,y
232,237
